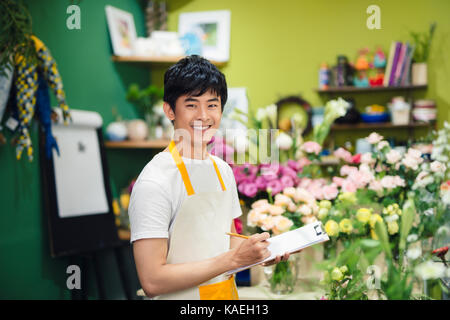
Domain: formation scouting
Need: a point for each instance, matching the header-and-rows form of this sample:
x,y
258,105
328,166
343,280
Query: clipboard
x,y
291,241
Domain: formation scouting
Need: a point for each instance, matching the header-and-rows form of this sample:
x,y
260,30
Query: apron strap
x,y
183,171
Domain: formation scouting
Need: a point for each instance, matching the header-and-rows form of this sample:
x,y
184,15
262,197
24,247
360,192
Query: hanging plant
x,y
15,32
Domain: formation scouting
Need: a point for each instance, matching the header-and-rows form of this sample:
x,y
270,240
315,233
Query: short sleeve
x,y
149,211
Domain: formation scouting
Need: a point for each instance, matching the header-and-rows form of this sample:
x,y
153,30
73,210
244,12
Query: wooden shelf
x,y
369,89
145,144
381,125
156,60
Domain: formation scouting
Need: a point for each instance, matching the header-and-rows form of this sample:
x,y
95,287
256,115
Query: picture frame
x,y
213,28
122,31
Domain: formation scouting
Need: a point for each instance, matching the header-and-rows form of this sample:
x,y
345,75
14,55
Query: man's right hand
x,y
252,250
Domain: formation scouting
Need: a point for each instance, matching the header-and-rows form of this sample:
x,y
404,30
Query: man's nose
x,y
202,114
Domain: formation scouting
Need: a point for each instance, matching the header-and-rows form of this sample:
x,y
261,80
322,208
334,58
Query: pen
x,y
237,235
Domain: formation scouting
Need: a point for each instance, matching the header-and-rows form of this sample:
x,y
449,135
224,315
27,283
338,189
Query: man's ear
x,y
168,111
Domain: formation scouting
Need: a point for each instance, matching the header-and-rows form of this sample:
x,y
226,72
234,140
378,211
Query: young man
x,y
184,201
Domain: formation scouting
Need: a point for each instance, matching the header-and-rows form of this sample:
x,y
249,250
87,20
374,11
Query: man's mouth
x,y
202,128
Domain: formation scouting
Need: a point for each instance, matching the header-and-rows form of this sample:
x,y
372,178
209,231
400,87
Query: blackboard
x,y
76,234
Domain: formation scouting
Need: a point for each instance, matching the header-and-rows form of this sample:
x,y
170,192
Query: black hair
x,y
193,75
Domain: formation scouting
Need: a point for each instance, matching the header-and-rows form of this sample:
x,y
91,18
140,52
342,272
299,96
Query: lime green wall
x,y
277,46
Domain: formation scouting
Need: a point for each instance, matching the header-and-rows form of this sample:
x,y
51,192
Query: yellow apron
x,y
199,233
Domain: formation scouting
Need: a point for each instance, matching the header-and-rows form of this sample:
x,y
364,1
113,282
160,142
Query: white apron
x,y
199,233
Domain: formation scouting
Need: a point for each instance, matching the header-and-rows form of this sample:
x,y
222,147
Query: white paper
x,y
292,241
79,181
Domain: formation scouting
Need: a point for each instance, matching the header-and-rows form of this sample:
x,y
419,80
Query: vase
x,y
282,277
419,74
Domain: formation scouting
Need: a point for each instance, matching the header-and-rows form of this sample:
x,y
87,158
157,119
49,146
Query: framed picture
x,y
237,99
213,29
121,30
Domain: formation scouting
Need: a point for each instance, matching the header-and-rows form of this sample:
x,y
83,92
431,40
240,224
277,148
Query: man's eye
x,y
190,105
213,105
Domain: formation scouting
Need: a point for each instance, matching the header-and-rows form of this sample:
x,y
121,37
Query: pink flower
x,y
294,165
311,147
250,190
374,138
303,162
388,182
276,186
261,183
287,181
238,225
367,158
376,186
287,171
393,156
330,192
338,181
349,186
343,154
222,150
348,170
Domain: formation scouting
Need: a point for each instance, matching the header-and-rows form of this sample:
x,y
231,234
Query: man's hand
x,y
278,259
252,250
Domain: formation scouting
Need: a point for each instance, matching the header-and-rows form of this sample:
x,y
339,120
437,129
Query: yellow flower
x,y
336,274
124,200
392,227
332,228
373,220
363,215
345,226
344,269
115,207
323,213
348,196
325,204
373,234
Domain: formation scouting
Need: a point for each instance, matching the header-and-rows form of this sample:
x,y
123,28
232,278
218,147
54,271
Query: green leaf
x,y
381,232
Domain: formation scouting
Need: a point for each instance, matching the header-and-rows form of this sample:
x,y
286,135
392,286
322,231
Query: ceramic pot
x,y
419,73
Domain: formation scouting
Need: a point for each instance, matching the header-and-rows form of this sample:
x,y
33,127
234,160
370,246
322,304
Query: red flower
x,y
440,252
356,159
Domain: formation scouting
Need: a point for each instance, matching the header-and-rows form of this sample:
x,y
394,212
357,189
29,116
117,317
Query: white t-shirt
x,y
159,192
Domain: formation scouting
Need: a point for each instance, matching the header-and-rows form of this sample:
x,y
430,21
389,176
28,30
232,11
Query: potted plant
x,y
422,42
145,99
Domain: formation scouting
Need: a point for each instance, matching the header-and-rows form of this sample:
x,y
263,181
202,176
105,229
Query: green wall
x,y
276,50
91,82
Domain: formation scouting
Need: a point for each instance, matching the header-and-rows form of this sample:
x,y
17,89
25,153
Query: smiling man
x,y
184,200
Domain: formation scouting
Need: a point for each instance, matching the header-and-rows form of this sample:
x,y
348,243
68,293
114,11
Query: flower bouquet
x,y
289,209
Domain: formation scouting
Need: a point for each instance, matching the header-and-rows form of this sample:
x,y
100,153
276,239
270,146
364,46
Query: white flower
x,y
271,112
391,218
437,167
412,237
430,270
393,156
374,138
443,231
410,162
382,144
413,253
429,212
284,141
261,114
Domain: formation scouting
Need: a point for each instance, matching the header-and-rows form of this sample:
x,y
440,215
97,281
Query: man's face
x,y
199,116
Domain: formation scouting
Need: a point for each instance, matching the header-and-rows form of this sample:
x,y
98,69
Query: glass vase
x,y
282,277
